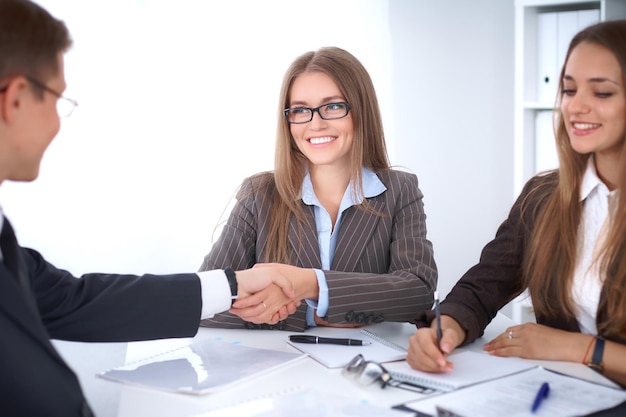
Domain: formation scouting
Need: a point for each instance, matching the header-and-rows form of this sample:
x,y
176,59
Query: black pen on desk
x,y
327,340
438,320
542,394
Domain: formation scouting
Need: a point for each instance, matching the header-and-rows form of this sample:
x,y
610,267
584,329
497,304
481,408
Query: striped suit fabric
x,y
383,266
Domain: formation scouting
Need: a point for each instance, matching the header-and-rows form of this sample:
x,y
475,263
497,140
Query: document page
x,y
513,396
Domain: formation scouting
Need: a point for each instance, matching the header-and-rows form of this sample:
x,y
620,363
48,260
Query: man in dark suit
x,y
38,301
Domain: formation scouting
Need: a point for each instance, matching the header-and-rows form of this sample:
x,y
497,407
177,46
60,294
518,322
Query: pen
x,y
438,319
327,340
543,392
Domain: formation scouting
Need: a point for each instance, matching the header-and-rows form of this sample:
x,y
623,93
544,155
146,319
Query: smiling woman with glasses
x,y
348,230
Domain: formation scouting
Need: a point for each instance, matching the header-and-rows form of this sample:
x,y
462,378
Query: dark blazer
x,y
497,279
383,267
34,380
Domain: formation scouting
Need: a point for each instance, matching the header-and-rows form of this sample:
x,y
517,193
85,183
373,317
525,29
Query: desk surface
x,y
111,399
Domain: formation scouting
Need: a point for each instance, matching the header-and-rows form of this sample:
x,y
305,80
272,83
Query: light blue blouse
x,y
327,237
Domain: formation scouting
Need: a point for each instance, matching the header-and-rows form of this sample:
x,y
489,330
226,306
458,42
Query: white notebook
x,y
469,368
337,356
202,367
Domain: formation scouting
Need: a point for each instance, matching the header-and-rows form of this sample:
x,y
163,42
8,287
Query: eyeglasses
x,y
368,372
330,111
65,106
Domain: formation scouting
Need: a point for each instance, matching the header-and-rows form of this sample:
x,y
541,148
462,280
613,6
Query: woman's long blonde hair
x,y
368,148
549,266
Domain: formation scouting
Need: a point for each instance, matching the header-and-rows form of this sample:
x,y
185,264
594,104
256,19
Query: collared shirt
x,y
215,290
592,231
327,234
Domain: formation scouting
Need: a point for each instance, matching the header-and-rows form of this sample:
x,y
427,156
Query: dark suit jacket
x,y
497,279
383,267
34,380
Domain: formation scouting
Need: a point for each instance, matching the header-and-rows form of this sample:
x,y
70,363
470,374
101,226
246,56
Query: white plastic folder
x,y
202,367
302,402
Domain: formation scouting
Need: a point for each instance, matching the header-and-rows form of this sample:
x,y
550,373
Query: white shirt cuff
x,y
215,293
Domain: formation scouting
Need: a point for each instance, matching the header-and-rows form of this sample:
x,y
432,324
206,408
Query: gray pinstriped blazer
x,y
383,265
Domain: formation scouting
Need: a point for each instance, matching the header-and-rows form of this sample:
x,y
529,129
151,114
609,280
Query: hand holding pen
x,y
429,347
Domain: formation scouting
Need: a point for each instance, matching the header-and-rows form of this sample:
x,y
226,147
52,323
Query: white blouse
x,y
592,231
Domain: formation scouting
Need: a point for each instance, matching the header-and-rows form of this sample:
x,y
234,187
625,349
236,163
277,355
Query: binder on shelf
x,y
547,67
546,157
567,27
555,31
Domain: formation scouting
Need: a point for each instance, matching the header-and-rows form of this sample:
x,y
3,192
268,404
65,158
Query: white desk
x,y
111,399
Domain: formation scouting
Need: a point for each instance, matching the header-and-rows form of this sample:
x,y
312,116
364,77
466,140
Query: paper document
x,y
337,356
513,396
305,403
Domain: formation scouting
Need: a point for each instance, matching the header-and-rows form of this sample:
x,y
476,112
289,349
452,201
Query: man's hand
x,y
269,305
250,281
266,295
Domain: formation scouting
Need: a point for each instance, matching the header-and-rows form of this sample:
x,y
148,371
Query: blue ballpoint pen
x,y
543,392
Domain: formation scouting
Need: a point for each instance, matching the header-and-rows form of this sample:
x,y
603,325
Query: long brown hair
x,y
549,265
368,148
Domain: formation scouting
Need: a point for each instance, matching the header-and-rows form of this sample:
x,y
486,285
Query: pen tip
x,y
436,295
366,343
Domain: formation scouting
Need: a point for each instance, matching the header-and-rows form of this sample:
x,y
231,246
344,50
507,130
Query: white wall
x,y
452,75
178,103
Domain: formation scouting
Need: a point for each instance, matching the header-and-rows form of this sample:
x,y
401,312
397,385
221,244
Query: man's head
x,y
32,43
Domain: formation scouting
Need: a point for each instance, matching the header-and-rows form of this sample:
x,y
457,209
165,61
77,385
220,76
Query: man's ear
x,y
11,100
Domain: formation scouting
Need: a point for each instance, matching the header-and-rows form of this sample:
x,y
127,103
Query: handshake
x,y
271,292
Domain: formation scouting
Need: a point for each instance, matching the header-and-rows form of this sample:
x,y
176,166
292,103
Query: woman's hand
x,y
536,341
304,279
424,352
266,306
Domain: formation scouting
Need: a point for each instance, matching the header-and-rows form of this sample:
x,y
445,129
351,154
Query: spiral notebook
x,y
469,368
202,367
337,356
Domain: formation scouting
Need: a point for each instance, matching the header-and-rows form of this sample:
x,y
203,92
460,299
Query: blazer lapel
x,y
303,240
356,224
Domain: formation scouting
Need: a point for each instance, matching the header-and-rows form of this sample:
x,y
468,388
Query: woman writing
x,y
348,230
565,237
